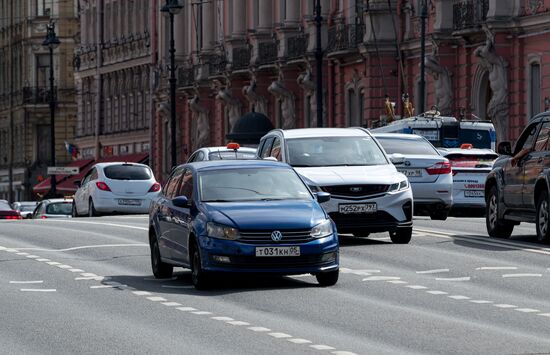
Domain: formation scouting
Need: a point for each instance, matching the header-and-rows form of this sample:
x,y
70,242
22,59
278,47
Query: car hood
x,y
288,214
343,175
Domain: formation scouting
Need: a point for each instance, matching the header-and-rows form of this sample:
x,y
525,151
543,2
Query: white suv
x,y
368,194
116,188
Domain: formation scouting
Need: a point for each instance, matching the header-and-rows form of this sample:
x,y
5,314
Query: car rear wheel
x,y
496,226
401,236
327,278
161,270
74,212
439,215
91,209
199,277
543,218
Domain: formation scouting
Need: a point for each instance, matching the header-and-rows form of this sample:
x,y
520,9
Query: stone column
x,y
180,34
292,13
239,18
266,14
208,32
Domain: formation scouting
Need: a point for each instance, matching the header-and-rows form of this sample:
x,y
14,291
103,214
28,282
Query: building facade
x,y
24,90
115,68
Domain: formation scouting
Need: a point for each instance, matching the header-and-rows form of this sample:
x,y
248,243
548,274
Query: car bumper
x,y
320,255
111,205
434,196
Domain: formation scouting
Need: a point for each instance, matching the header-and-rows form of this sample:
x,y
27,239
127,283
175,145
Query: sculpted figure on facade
x,y
306,82
232,105
442,82
287,100
258,102
497,109
200,123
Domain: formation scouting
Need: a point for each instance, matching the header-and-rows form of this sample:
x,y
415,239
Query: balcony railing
x,y
297,46
217,65
469,14
37,95
241,58
267,52
345,37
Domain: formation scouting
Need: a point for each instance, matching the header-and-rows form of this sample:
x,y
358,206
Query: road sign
x,y
63,170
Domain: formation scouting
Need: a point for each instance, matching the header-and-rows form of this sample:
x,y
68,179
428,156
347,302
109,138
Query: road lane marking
x,y
497,268
237,322
259,329
89,247
64,266
504,305
459,297
436,271
88,274
201,313
186,309
416,287
98,223
397,282
96,278
157,299
11,250
38,290
141,293
27,282
527,310
345,270
481,301
53,263
280,335
222,318
76,270
299,341
522,275
102,286
343,353
437,292
466,278
43,259
32,256
544,314
321,347
381,278
171,304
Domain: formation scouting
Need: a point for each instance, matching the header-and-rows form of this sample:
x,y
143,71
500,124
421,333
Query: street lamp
x,y
171,8
52,42
319,63
422,89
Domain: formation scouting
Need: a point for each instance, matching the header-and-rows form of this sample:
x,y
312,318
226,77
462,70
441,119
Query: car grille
x,y
264,236
357,190
253,262
361,219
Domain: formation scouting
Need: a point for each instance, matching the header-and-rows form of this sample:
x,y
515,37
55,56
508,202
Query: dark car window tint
x,y
173,183
59,208
407,146
527,138
229,155
127,172
542,139
186,186
266,149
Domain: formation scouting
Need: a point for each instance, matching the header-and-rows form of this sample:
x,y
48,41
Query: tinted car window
x,y
542,139
230,155
127,172
266,148
186,186
230,185
407,146
59,208
334,151
527,138
27,208
173,184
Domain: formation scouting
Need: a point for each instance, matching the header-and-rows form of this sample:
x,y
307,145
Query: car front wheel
x,y
199,277
543,218
496,227
327,278
91,209
74,212
161,270
401,236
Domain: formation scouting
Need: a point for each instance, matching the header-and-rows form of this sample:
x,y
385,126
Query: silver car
x,y
232,151
429,173
53,208
25,208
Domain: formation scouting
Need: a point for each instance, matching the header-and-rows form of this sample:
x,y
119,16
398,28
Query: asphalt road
x,y
85,286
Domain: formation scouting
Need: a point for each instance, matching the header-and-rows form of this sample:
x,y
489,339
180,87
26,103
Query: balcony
x,y
297,46
37,95
217,65
241,58
267,52
345,37
469,14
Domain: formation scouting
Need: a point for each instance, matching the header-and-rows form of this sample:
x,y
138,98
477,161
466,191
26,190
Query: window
x,y
127,172
276,149
527,138
42,70
172,184
408,146
542,140
43,7
94,175
266,148
534,82
186,186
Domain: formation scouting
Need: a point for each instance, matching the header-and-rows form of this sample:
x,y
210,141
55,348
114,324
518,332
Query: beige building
x,y
24,90
114,77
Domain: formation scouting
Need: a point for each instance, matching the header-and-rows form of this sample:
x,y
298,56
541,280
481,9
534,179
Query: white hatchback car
x,y
116,188
232,151
368,194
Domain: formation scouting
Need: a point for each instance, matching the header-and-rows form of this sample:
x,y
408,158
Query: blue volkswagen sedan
x,y
241,216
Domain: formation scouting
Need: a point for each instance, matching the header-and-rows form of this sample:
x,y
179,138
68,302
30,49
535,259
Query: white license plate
x,y
277,251
129,202
411,172
473,193
357,208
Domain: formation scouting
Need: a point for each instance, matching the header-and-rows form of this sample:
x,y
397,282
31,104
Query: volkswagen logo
x,y
276,236
356,189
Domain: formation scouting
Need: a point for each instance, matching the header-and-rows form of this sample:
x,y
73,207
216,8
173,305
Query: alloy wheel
x,y
493,215
543,217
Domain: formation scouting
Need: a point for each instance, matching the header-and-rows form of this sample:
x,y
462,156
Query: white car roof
x,y
472,151
57,200
406,136
103,165
324,132
225,149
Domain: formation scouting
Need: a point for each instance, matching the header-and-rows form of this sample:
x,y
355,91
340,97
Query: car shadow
x,y
223,284
351,241
474,244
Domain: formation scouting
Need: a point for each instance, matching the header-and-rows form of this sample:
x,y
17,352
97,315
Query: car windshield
x,y
251,184
230,155
60,208
4,206
127,172
27,208
407,146
334,151
472,161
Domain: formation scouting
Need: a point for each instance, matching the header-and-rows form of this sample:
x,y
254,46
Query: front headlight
x,y
402,185
321,230
220,231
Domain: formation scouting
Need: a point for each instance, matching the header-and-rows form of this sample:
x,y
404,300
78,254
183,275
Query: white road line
x,y
416,287
522,275
53,263
225,319
157,299
437,292
436,271
321,347
43,259
345,270
22,254
96,278
397,282
504,305
64,266
171,304
466,278
259,329
186,309
481,301
381,278
141,293
176,286
343,353
27,282
280,335
102,286
201,313
89,247
76,270
114,283
458,297
527,310
544,314
38,290
237,322
497,268
32,256
299,341
11,250
2,248
98,223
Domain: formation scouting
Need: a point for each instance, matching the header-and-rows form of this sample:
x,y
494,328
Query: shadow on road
x,y
475,242
351,241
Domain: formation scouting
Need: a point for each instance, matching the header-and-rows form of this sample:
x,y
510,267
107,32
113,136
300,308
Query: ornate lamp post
x,y
52,42
319,63
171,8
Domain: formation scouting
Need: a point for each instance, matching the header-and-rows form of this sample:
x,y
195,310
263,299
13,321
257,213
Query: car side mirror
x,y
322,196
181,202
504,148
77,183
397,158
